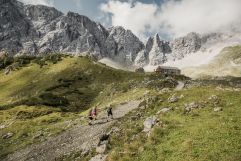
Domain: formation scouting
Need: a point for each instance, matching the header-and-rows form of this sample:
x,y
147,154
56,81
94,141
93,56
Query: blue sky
x,y
90,8
169,18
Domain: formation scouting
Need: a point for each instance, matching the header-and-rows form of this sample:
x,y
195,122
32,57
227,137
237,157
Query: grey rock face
x,y
30,29
158,52
14,26
185,45
141,59
126,46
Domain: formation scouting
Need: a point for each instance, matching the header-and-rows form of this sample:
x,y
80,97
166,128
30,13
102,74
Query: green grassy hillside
x,y
47,95
200,135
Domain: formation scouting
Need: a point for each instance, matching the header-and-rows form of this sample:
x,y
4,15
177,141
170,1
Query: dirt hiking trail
x,y
77,139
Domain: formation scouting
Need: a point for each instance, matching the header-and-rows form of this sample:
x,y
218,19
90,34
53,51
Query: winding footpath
x,y
180,86
76,139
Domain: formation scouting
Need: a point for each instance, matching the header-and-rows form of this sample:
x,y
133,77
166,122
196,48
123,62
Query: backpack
x,y
109,110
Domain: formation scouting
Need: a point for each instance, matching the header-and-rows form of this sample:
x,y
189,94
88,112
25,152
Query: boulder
x,y
149,123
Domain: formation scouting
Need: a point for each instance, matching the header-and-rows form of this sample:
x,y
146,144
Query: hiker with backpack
x,y
92,115
109,113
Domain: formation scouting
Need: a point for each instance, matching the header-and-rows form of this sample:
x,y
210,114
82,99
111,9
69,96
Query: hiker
x,y
94,113
109,113
90,117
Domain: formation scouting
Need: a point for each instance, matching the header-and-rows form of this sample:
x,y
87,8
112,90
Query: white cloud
x,y
41,2
136,18
176,18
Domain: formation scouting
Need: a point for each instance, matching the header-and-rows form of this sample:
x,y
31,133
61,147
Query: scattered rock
x,y
101,149
99,157
191,106
173,99
213,98
2,126
149,123
146,93
164,110
165,90
217,109
7,135
38,135
182,96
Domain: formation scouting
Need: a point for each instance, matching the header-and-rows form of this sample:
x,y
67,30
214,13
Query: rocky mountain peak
x,y
185,45
37,29
127,44
41,13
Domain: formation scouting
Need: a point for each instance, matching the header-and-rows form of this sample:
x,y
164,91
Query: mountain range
x,y
37,29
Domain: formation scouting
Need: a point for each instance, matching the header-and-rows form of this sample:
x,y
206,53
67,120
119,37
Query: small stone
x,y
2,126
182,96
7,135
164,110
38,135
165,90
217,109
173,99
213,98
193,105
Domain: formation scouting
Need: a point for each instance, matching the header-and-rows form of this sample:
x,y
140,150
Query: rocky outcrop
x,y
15,28
125,46
141,59
185,45
159,51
